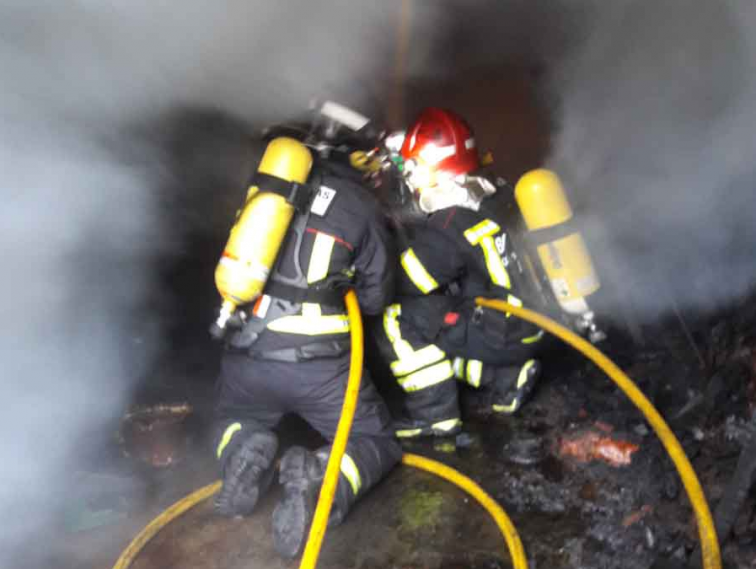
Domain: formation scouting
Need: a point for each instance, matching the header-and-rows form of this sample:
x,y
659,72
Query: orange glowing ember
x,y
590,445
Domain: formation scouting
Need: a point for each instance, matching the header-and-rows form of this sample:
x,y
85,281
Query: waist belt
x,y
327,296
316,350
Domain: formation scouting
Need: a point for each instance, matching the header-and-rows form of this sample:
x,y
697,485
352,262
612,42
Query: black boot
x,y
301,476
513,386
247,474
430,412
407,428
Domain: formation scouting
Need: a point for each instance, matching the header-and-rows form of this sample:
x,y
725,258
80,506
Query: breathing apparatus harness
x,y
332,131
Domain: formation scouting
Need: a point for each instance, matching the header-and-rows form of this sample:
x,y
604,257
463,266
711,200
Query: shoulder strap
x,y
298,195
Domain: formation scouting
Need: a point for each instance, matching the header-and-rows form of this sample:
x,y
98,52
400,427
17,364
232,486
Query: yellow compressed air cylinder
x,y
260,228
562,251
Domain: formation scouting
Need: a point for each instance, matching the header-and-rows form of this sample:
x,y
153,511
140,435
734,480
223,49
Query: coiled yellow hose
x,y
327,492
516,551
166,517
706,530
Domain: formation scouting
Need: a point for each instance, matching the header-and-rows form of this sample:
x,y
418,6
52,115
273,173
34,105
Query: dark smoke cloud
x,y
654,137
82,220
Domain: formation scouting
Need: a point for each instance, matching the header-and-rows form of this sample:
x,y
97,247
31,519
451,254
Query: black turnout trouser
x,y
258,392
482,347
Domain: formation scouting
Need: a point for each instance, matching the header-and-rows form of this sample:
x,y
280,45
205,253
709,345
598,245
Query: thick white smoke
x,y
655,139
80,222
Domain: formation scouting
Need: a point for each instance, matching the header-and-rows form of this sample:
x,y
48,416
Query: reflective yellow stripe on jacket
x,y
482,234
320,258
417,273
312,322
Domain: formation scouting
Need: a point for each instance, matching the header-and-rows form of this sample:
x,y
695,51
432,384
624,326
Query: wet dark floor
x,y
570,513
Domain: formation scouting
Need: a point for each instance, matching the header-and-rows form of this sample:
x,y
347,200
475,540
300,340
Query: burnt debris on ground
x,y
583,477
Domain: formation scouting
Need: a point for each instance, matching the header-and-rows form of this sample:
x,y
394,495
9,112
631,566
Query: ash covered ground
x,y
581,474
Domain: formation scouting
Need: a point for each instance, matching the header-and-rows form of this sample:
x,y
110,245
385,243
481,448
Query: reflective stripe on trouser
x,y
366,461
435,408
518,390
469,371
414,369
424,373
351,473
226,437
437,428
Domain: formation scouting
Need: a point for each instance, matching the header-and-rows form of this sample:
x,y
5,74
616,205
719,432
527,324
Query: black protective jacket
x,y
341,242
453,256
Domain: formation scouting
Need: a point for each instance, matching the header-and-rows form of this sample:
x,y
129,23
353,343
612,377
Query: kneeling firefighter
x,y
456,250
289,351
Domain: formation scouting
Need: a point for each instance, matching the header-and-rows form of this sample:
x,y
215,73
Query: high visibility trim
x,y
494,264
320,258
351,473
511,408
417,273
446,425
459,368
534,338
311,325
513,300
260,308
522,379
419,359
474,372
407,433
402,348
477,232
337,239
311,310
226,438
430,361
427,377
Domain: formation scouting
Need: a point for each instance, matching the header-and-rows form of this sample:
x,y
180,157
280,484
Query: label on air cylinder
x,y
560,287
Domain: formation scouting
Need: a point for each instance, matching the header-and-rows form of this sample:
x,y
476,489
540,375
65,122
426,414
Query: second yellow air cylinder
x,y
561,249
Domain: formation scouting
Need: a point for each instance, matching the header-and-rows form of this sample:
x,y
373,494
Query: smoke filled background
x,y
128,130
96,99
654,137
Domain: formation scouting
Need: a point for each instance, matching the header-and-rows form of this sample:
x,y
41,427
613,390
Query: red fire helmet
x,y
443,140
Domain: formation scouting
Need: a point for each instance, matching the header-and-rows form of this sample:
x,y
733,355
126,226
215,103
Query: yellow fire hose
x,y
327,491
706,530
707,534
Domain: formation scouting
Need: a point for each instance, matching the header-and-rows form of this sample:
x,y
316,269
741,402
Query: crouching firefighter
x,y
289,350
455,250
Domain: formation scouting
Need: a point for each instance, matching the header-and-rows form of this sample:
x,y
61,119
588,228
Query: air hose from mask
x,y
328,489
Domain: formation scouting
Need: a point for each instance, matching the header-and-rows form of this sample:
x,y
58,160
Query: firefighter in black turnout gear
x,y
290,353
459,249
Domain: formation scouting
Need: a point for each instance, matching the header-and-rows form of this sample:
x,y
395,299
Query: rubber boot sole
x,y
293,514
254,473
